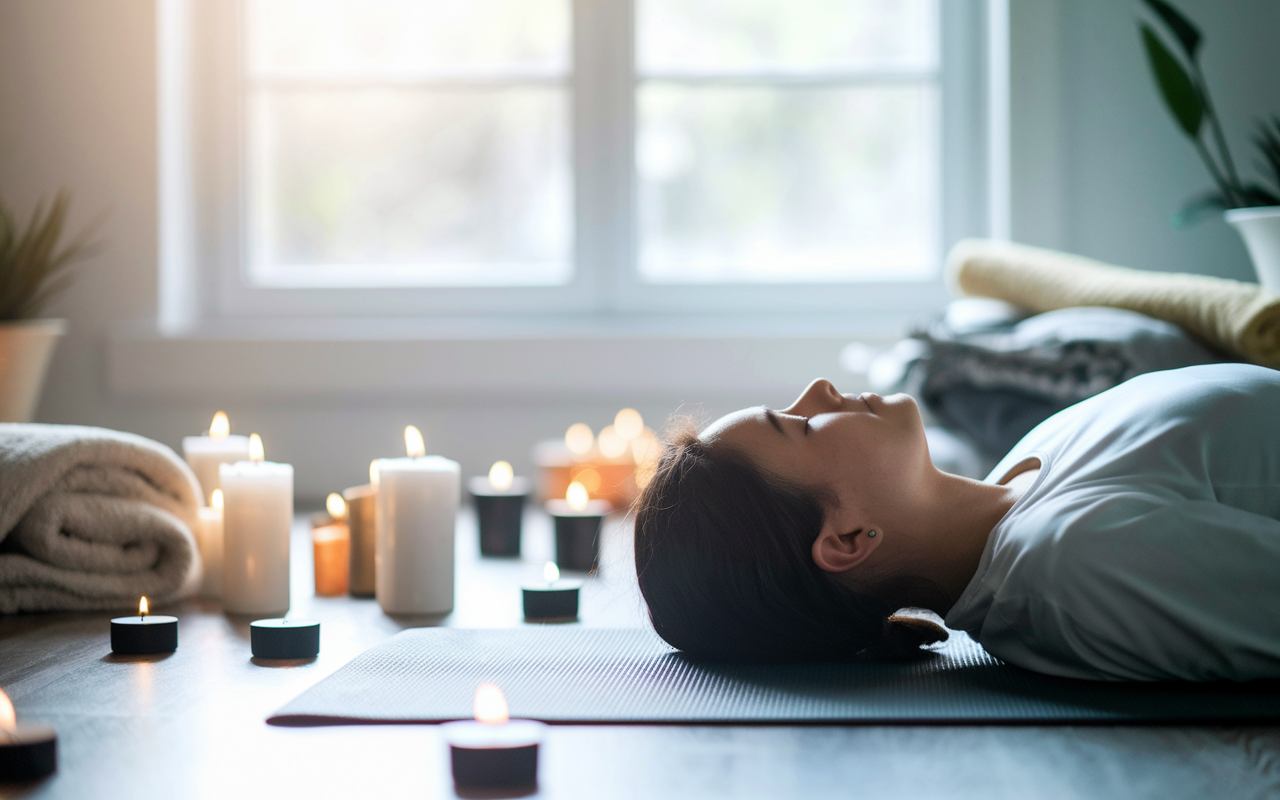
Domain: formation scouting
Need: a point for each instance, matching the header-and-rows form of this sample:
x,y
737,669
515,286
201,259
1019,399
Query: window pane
x,y
409,186
747,35
406,35
780,185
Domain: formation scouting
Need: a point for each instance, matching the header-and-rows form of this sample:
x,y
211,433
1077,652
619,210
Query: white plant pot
x,y
25,348
1260,228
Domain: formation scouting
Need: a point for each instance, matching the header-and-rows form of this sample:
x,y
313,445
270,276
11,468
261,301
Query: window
x,y
398,157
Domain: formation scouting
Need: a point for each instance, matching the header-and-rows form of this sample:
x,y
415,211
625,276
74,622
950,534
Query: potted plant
x,y
33,269
1252,208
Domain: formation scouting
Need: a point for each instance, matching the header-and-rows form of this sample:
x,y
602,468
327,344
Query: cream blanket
x,y
1241,319
92,519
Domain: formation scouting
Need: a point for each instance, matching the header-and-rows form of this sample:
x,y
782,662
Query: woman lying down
x,y
1133,536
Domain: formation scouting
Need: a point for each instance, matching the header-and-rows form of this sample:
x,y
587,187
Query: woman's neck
x,y
957,522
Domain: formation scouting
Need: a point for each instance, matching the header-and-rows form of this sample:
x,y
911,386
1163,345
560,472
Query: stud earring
x,y
871,534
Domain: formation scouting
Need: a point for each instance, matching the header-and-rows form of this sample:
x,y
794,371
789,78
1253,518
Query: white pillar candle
x,y
257,497
209,540
204,454
417,508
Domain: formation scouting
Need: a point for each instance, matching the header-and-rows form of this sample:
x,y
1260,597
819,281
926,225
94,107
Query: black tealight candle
x,y
144,634
493,752
27,752
553,600
577,522
284,638
499,501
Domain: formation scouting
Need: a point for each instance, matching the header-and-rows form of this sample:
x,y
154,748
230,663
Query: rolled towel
x,y
1242,319
93,519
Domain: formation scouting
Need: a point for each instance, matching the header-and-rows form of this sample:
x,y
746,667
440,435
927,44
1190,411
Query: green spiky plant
x,y
1186,95
34,264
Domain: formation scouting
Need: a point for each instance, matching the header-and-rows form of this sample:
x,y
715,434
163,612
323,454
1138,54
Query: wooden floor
x,y
191,724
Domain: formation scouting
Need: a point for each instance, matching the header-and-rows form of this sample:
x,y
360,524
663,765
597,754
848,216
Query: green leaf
x,y
1187,34
1268,141
1199,208
33,262
1175,86
1252,195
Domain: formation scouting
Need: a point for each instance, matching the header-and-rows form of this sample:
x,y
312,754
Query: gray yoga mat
x,y
598,675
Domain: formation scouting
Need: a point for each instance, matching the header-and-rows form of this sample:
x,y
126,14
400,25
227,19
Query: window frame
x,y
605,281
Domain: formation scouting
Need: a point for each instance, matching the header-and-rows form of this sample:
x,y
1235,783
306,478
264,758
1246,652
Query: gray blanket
x,y
92,519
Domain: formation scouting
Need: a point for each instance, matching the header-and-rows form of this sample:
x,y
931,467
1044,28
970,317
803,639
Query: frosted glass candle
x,y
209,541
257,509
417,508
204,454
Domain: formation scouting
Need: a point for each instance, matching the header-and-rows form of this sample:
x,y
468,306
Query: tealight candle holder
x,y
27,752
553,601
284,638
493,752
499,500
577,524
143,634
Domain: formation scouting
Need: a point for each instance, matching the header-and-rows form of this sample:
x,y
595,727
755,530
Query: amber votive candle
x,y
361,505
332,545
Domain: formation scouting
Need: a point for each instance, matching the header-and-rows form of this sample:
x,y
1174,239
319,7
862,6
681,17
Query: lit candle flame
x,y
8,717
501,476
628,423
336,506
413,443
491,705
579,439
577,496
143,608
612,445
216,500
220,428
551,572
256,451
373,472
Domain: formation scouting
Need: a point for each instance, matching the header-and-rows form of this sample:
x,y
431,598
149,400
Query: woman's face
x,y
863,454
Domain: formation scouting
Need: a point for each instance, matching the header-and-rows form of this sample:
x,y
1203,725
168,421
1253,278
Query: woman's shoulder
x,y
1146,410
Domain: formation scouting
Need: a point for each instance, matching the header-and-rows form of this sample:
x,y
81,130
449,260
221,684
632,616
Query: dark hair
x,y
723,558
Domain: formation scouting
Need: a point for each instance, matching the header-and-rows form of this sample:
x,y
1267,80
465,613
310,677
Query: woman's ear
x,y
839,550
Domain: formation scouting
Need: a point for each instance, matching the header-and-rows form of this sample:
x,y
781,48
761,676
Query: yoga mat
x,y
600,675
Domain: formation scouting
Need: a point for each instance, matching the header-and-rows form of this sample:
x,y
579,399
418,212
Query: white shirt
x,y
1148,547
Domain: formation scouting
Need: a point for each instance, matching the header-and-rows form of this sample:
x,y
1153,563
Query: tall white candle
x,y
209,540
417,508
257,516
204,454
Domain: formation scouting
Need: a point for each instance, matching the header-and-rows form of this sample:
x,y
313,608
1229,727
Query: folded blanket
x,y
92,519
1239,318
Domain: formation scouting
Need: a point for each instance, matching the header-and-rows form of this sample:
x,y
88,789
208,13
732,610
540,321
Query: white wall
x,y
1099,165
1098,168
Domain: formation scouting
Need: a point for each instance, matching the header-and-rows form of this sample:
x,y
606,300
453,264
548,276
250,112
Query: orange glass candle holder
x,y
332,545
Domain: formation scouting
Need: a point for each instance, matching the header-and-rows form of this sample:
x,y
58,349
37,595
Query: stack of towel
x,y
93,519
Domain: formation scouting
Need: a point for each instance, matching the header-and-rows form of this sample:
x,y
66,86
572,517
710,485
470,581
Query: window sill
x,y
477,358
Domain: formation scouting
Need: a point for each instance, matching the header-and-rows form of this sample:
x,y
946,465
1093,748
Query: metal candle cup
x,y
499,513
27,752
284,638
578,533
144,634
493,752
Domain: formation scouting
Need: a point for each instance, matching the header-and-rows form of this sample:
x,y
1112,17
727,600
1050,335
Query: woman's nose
x,y
819,396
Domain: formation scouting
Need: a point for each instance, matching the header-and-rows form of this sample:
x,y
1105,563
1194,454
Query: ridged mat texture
x,y
585,675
